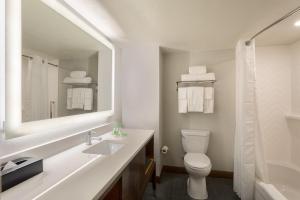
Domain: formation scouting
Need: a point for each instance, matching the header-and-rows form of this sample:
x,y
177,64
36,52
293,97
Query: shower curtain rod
x,y
248,42
30,57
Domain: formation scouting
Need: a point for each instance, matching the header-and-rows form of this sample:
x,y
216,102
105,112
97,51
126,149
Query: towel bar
x,y
193,83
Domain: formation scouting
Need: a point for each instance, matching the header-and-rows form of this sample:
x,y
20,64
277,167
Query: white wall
x,y
278,94
2,64
140,90
104,79
294,125
295,53
160,137
173,64
273,74
221,123
118,81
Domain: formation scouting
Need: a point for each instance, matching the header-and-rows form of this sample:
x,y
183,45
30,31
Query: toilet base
x,y
196,188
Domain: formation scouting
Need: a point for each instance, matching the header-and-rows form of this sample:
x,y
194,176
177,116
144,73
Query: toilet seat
x,y
197,161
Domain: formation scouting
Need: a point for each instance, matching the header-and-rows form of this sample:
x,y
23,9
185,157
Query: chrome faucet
x,y
89,137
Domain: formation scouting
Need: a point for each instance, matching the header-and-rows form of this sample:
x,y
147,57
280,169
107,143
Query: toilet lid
x,y
197,160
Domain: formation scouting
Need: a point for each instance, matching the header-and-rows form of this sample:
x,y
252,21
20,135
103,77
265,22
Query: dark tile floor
x,y
173,187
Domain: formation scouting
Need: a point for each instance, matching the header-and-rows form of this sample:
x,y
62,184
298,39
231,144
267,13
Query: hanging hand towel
x,y
209,100
88,99
197,70
78,98
182,100
69,98
195,97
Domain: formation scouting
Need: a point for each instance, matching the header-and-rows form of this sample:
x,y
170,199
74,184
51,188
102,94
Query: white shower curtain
x,y
35,89
246,124
39,87
26,89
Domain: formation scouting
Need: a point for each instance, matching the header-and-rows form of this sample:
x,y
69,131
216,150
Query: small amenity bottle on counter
x,y
117,131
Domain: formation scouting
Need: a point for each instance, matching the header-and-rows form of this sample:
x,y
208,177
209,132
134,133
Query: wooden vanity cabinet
x,y
133,181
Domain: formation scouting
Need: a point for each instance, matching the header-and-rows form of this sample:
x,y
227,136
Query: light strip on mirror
x,y
2,65
113,80
98,16
14,125
13,71
61,9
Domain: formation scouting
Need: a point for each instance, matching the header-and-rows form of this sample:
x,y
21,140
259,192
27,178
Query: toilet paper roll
x,y
164,149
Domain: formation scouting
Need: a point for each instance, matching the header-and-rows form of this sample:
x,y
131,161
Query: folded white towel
x,y
182,100
88,99
197,69
78,74
69,98
195,97
78,80
208,100
198,77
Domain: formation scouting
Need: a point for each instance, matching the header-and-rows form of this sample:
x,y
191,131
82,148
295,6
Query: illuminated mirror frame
x,y
13,69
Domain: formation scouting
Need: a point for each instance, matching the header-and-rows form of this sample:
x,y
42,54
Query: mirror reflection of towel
x,y
88,99
69,98
80,98
78,74
77,80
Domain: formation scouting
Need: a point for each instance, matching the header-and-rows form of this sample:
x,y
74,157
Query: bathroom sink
x,y
106,147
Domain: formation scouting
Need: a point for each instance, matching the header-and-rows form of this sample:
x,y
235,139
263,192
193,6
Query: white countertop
x,y
72,174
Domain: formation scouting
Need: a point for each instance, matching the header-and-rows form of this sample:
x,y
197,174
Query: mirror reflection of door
x,y
39,88
52,91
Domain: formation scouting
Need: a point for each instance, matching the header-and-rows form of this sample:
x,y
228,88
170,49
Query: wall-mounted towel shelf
x,y
193,83
81,84
92,85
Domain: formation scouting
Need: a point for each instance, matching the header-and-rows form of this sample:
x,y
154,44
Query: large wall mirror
x,y
65,70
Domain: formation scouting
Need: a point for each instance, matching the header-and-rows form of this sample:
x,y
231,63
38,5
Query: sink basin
x,y
105,147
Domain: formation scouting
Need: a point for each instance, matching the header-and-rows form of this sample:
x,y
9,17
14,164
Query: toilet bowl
x,y
198,167
197,164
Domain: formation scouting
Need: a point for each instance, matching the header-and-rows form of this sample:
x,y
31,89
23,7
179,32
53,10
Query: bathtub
x,y
284,183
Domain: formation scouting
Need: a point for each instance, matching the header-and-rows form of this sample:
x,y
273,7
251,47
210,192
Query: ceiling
x,y
46,31
194,24
284,33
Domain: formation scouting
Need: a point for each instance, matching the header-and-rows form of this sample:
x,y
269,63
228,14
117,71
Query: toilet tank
x,y
195,141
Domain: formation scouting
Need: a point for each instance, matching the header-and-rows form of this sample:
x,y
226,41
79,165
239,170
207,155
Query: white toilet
x,y
197,164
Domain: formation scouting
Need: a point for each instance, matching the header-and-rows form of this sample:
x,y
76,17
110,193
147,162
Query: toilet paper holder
x,y
164,149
